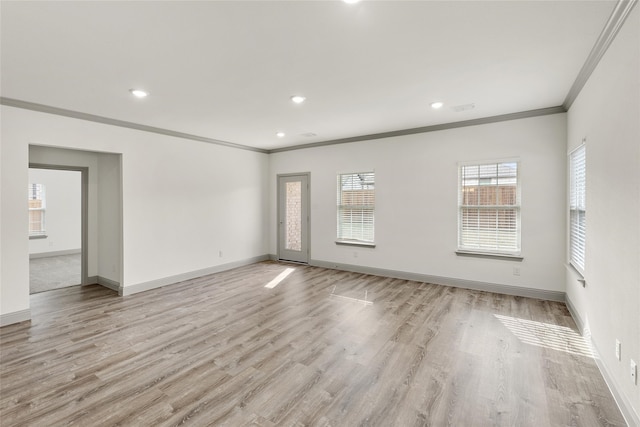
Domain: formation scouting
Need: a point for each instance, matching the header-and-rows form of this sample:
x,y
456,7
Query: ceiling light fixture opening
x,y
351,1
138,93
280,134
298,99
437,105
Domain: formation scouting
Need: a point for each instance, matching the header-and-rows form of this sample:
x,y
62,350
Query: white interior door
x,y
293,217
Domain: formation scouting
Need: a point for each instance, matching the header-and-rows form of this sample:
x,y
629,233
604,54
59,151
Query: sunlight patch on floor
x,y
275,282
546,335
346,298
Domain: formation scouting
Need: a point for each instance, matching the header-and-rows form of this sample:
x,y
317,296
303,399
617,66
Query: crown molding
x,y
120,123
130,125
620,13
433,128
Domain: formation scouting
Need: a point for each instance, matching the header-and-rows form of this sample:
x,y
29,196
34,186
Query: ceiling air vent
x,y
465,107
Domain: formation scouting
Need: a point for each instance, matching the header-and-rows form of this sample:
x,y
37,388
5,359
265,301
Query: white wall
x,y
416,200
110,217
182,201
607,114
62,211
14,282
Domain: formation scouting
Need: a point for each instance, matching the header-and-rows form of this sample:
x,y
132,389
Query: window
x,y
489,209
577,208
356,202
36,210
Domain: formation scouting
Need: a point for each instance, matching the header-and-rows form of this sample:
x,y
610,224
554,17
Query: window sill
x,y
38,236
489,255
355,243
580,274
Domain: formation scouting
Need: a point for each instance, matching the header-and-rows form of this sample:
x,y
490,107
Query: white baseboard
x,y
629,414
625,406
55,253
145,286
576,316
447,281
15,317
108,283
103,281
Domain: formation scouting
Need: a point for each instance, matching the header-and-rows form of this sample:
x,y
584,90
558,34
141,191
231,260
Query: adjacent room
x,y
324,213
55,229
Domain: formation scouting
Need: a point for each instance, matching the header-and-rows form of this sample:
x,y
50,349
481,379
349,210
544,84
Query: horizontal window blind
x,y
356,207
489,208
577,208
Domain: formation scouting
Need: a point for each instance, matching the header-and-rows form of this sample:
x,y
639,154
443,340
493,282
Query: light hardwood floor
x,y
321,348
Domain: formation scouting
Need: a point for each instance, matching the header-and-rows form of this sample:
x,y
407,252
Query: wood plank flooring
x,y
322,348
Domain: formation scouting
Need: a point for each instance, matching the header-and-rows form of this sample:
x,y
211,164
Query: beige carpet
x,y
54,272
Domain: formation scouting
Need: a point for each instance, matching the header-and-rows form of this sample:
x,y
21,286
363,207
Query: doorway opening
x,y
57,198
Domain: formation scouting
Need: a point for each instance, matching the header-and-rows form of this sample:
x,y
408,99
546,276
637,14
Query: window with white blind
x,y
489,208
356,206
36,210
577,207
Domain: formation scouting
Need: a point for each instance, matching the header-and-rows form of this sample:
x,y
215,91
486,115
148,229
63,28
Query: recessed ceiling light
x,y
138,93
351,1
298,99
280,134
436,105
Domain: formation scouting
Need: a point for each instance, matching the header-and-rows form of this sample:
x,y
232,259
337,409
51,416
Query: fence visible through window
x,y
36,210
489,208
356,207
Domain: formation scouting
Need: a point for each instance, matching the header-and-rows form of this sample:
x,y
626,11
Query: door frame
x,y
279,213
84,213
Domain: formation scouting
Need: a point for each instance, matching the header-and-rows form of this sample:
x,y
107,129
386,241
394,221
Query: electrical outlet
x,y
220,254
618,345
516,271
634,372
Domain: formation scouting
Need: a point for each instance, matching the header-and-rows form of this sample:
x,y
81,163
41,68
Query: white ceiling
x,y
226,69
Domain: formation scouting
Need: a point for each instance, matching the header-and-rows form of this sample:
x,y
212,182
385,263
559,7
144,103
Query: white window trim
x,y
349,241
491,253
574,262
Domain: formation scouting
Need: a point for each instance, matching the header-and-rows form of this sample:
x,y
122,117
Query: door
x,y
293,217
